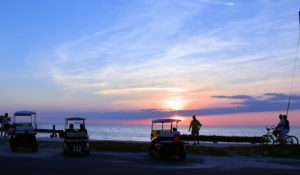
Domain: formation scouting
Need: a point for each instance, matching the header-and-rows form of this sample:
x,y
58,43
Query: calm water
x,y
142,132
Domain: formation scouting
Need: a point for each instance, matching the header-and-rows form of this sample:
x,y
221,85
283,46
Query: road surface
x,y
50,160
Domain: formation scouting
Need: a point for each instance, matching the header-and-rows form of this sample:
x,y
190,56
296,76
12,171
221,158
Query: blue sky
x,y
127,56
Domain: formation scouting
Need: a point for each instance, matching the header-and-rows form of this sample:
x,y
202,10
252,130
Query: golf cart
x,y
165,140
76,140
23,135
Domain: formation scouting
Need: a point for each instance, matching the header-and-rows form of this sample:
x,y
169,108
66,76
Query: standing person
x,y
2,124
195,125
6,124
286,128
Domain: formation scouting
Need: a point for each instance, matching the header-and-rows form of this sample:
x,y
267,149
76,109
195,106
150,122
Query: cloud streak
x,y
134,90
167,52
274,102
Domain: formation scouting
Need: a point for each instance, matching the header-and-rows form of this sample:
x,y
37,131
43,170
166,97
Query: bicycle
x,y
274,136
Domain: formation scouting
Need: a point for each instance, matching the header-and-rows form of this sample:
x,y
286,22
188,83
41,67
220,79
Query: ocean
x,y
142,132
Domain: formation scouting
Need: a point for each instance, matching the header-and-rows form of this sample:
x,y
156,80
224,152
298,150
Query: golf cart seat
x,y
176,133
23,128
165,134
23,124
155,133
168,134
71,134
76,134
82,133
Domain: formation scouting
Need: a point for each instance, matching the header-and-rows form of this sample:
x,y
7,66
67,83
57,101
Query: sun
x,y
177,117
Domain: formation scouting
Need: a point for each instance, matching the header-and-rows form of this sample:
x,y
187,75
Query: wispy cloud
x,y
225,3
158,50
235,97
135,90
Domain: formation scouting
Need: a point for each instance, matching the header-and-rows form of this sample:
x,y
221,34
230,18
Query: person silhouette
x,y
71,127
279,126
6,124
286,128
82,128
195,125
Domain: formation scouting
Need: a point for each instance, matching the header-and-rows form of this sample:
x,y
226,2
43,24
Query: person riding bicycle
x,y
280,125
286,128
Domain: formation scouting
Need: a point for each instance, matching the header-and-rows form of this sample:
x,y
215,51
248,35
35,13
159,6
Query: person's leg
x,y
281,136
194,138
2,130
5,130
286,131
197,135
280,133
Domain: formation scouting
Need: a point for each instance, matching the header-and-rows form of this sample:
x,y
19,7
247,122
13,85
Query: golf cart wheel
x,y
155,153
267,140
13,145
35,147
159,155
87,153
182,156
151,151
66,152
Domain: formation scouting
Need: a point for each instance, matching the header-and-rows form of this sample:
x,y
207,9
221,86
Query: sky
x,y
115,61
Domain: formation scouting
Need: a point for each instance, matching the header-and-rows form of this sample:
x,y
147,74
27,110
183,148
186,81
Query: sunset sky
x,y
116,61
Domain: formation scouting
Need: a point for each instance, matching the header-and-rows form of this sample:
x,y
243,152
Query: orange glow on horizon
x,y
239,119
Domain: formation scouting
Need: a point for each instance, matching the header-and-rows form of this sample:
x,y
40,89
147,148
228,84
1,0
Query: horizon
x,y
227,62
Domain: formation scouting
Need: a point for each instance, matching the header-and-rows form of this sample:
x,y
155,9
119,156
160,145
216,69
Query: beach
x,y
50,160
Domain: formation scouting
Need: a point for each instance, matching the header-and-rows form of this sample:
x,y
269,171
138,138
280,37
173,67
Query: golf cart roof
x,y
75,118
165,120
24,113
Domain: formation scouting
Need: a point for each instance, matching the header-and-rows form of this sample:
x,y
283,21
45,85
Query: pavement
x,y
50,160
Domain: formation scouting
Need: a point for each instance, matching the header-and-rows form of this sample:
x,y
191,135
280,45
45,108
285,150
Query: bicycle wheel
x,y
292,140
289,140
267,140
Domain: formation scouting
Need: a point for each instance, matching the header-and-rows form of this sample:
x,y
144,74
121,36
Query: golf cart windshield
x,y
76,121
24,118
160,125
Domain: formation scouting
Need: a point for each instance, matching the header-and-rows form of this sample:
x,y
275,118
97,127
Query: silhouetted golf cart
x,y
76,140
23,134
166,141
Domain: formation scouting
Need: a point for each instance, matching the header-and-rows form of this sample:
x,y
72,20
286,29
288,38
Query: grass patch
x,y
289,151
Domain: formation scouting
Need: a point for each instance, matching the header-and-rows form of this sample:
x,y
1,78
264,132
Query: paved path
x,y
50,160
